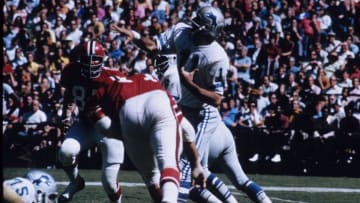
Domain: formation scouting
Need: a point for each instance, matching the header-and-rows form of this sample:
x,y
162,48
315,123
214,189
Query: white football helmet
x,y
23,187
45,186
209,19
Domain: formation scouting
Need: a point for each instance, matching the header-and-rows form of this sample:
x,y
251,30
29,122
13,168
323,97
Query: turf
x,y
95,194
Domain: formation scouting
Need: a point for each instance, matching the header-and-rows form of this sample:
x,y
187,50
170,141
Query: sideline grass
x,y
95,194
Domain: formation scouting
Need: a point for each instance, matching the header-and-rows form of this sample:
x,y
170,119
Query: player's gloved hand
x,y
198,176
66,124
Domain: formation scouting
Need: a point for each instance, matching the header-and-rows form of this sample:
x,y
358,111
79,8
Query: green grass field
x,y
291,189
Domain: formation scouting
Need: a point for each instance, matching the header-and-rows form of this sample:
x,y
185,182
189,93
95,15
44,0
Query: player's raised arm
x,y
144,42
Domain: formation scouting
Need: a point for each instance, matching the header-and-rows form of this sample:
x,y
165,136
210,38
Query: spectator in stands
x,y
325,22
311,27
345,53
75,33
355,92
230,116
33,66
272,51
242,63
141,6
276,122
323,138
269,86
10,102
312,88
321,53
255,138
262,100
19,58
333,43
323,80
345,81
287,47
35,117
161,9
334,88
313,65
348,137
140,63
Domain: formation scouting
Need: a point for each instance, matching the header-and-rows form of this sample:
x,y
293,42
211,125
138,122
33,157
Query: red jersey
x,y
122,88
80,89
110,98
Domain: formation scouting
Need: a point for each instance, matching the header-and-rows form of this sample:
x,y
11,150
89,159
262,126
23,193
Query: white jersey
x,y
171,81
176,39
23,187
213,64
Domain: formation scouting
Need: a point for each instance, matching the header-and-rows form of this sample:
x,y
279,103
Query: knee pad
x,y
109,179
170,174
112,151
68,152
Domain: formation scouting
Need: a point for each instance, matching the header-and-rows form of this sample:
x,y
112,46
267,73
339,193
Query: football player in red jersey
x,y
81,80
149,124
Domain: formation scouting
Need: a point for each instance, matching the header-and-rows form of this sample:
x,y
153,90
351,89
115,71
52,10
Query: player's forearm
x,y
207,96
204,95
192,154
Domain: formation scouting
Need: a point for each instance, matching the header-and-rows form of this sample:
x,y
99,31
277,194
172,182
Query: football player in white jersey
x,y
204,79
19,190
210,63
35,186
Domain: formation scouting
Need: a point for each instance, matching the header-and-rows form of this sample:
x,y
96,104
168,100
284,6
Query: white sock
x,y
170,192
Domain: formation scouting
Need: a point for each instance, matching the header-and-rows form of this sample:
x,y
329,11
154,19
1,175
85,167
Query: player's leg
x,y
205,122
112,152
138,117
77,140
198,123
231,166
166,143
198,194
141,155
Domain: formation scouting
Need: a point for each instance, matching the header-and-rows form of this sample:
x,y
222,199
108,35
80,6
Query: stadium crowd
x,y
293,93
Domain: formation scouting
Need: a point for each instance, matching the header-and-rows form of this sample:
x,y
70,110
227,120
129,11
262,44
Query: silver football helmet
x,y
45,186
209,19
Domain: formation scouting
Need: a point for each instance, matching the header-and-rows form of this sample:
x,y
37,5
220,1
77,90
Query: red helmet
x,y
92,55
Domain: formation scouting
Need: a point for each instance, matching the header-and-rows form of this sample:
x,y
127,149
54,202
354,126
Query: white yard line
x,y
272,198
312,189
269,188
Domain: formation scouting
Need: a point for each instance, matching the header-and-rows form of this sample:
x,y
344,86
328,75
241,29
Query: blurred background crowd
x,y
293,92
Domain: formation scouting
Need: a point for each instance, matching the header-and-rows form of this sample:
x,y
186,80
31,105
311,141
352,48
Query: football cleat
x,y
71,189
